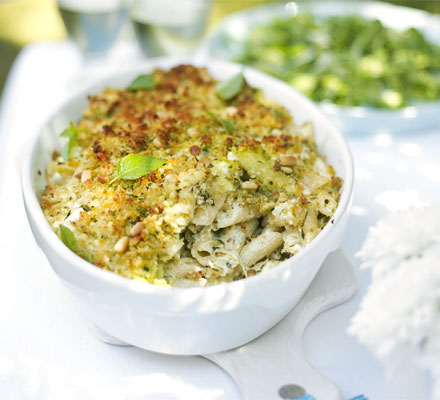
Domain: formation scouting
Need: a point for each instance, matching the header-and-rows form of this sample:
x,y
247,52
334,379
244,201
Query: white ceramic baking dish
x,y
187,320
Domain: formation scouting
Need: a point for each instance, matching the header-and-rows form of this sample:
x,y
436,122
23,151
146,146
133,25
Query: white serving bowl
x,y
187,320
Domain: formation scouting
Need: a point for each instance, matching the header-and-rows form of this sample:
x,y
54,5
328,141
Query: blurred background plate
x,y
226,42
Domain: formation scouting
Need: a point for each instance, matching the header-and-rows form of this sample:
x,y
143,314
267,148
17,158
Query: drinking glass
x,y
169,27
94,25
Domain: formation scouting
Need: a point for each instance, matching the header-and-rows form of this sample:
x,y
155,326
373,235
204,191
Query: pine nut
x,y
171,178
287,170
163,114
57,178
282,197
137,229
249,185
86,175
102,178
158,143
121,245
205,161
231,111
78,172
287,161
192,131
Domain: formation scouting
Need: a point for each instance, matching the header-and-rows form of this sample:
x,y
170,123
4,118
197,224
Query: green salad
x,y
348,61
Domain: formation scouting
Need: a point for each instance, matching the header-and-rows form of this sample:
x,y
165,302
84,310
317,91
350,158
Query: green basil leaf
x,y
71,133
68,237
84,255
142,82
134,166
226,90
228,125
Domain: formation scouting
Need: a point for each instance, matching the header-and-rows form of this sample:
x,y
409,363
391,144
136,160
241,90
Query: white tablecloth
x,y
48,351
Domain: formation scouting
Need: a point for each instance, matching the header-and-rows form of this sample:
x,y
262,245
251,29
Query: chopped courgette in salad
x,y
348,61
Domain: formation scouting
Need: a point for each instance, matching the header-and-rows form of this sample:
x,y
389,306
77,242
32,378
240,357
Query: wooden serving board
x,y
272,361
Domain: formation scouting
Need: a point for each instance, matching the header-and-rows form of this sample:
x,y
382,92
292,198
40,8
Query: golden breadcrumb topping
x,y
238,187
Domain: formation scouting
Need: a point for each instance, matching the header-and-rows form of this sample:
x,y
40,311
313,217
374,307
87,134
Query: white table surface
x,y
48,351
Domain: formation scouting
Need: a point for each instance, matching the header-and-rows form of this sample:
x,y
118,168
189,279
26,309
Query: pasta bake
x,y
181,180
